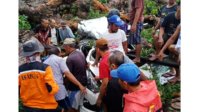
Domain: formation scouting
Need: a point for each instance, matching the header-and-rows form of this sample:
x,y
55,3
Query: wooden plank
x,y
166,62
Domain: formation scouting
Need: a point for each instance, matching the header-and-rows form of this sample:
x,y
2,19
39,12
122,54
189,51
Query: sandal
x,y
174,80
176,104
136,61
152,54
153,58
168,74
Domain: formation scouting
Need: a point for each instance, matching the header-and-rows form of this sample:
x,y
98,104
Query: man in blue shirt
x,y
65,32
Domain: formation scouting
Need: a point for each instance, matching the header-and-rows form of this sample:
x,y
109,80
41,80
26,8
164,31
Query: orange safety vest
x,y
33,80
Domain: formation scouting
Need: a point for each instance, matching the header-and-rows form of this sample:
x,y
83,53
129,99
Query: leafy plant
x,y
146,34
146,52
151,7
23,23
95,14
103,1
178,1
74,9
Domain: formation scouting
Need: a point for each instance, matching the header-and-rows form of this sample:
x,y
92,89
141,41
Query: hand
x,y
133,28
49,41
160,55
96,78
99,101
95,63
83,89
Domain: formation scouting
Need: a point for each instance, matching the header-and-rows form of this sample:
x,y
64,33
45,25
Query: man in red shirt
x,y
104,71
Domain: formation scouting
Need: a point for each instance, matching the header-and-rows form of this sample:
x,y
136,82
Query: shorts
x,y
65,103
135,38
178,45
30,109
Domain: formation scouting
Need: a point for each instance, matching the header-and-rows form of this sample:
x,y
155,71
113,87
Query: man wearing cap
x,y
59,68
65,31
114,91
142,96
104,71
136,20
116,37
112,12
37,86
76,63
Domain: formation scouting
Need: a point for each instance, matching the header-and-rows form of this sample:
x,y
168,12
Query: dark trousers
x,y
30,109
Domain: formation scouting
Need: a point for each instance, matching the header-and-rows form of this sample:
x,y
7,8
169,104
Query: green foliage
x,y
23,23
146,33
95,14
178,1
103,1
151,7
146,52
74,9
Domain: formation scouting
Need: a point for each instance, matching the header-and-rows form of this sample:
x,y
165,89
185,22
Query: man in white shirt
x,y
116,37
54,32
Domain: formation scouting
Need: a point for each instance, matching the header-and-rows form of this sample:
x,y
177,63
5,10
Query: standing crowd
x,y
58,85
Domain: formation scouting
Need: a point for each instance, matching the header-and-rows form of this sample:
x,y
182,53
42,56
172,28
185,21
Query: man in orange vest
x,y
37,86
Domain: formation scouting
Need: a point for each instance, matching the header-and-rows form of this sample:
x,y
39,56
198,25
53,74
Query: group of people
x,y
49,32
53,85
56,85
167,36
124,87
45,85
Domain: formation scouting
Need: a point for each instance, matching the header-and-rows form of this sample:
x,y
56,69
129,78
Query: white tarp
x,y
93,27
